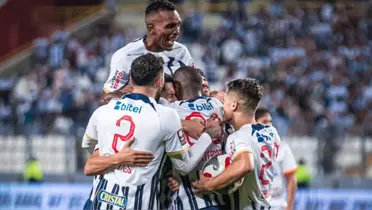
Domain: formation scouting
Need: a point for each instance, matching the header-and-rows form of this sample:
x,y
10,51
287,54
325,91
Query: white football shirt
x,y
263,142
288,165
202,108
157,129
122,59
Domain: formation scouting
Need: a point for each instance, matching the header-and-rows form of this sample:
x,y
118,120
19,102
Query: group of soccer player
x,y
159,124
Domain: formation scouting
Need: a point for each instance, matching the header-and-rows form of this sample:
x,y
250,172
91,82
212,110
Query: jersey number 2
x,y
265,148
192,116
126,137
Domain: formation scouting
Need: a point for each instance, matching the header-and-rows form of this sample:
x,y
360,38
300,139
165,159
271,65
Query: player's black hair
x,y
168,78
159,5
260,112
145,69
250,92
190,80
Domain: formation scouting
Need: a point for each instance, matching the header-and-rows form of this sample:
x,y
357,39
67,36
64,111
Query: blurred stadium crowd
x,y
314,63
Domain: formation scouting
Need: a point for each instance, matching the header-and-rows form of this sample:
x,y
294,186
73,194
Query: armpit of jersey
x,y
89,143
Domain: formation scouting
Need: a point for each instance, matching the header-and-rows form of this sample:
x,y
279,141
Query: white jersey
x,y
263,142
157,129
288,165
122,59
202,108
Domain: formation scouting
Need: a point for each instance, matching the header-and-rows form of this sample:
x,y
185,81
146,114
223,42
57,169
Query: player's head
x,y
147,70
169,91
190,80
205,89
242,96
263,116
163,23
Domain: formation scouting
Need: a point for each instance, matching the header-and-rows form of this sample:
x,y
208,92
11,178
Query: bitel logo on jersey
x,y
115,81
204,106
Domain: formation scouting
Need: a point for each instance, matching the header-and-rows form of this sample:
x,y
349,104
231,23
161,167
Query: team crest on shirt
x,y
112,199
181,136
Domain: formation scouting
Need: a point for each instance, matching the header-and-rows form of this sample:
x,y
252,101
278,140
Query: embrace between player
x,y
121,170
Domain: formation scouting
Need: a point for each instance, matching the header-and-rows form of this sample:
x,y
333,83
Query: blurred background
x,y
313,57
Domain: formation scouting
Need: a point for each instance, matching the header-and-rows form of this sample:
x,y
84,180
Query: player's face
x,y
229,106
205,91
265,120
167,28
169,92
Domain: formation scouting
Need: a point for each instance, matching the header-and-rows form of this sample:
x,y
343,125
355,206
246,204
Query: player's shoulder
x,y
252,129
100,111
166,113
168,118
179,46
179,49
133,48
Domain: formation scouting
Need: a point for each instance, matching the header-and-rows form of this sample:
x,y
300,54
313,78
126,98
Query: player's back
x,y
139,116
263,142
198,108
201,108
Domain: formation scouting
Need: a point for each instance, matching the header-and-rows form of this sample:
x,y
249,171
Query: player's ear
x,y
234,105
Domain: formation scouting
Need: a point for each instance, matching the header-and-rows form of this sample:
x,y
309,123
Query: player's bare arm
x,y
291,184
97,164
242,164
106,97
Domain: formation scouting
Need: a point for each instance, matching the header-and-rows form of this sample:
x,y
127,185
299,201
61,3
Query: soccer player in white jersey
x,y
196,106
253,149
288,167
157,129
163,28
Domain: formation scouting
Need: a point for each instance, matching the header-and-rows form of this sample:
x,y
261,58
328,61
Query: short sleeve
x,y
186,58
235,145
119,72
175,141
288,163
90,138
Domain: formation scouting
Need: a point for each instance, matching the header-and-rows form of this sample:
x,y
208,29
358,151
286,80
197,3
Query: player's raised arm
x,y
185,158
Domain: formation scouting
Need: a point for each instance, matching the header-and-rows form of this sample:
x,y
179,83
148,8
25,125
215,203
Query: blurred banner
x,y
73,196
43,196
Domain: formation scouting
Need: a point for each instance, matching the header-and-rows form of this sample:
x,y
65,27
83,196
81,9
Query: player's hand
x,y
128,157
201,187
214,127
106,98
194,127
173,184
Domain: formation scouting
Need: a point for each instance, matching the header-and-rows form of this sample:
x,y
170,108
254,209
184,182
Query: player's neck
x,y
147,91
151,45
190,94
241,119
